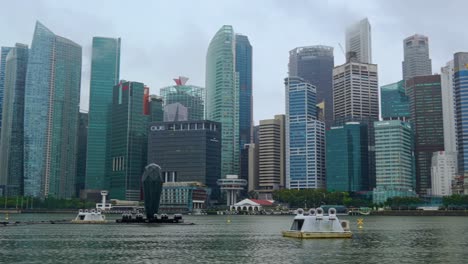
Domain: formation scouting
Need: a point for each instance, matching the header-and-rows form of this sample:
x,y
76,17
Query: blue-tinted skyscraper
x,y
394,101
52,100
460,85
4,53
244,68
11,140
305,137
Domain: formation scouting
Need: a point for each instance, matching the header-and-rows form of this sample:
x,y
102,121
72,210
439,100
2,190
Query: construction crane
x,y
342,50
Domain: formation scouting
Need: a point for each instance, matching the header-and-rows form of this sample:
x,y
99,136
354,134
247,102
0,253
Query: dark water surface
x,y
247,239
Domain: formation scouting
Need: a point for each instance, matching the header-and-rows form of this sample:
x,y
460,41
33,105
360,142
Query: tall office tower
x,y
356,98
448,107
394,102
156,108
416,57
252,154
51,108
244,69
81,154
444,163
3,56
129,140
347,162
105,68
358,40
460,86
426,116
183,96
394,160
12,136
443,172
305,137
188,150
271,156
355,91
315,65
222,96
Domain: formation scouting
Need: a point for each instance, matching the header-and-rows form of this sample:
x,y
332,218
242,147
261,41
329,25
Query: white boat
x,y
89,217
318,225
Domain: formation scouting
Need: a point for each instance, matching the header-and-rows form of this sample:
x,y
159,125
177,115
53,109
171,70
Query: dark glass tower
x,y
81,154
130,116
190,150
394,101
244,68
12,137
315,65
105,67
347,158
426,116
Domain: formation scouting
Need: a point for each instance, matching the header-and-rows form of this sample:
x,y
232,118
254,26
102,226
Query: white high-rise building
x,y
358,40
443,171
416,57
448,108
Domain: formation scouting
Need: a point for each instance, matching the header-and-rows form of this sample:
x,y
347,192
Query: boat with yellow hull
x,y
317,225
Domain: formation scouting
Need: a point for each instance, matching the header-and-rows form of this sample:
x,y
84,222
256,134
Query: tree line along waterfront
x,y
311,198
306,198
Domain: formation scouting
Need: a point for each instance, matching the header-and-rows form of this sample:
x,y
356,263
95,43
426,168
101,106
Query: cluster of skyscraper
x,y
333,135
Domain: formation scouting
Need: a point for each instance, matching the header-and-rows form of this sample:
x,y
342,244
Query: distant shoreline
x,y
420,213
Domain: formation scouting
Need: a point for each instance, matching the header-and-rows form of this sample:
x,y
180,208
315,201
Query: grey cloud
x,y
164,39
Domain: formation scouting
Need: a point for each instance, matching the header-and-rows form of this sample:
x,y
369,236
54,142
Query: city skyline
x,y
142,59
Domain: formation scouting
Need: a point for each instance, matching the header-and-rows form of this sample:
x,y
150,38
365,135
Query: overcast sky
x,y
164,39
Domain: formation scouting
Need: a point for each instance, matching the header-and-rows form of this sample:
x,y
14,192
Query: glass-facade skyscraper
x,y
460,85
189,96
315,65
52,100
359,40
243,51
3,55
105,68
394,160
394,102
222,96
130,116
12,136
305,137
82,152
425,97
347,158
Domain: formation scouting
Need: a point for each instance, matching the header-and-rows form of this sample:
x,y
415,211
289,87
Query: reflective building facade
x,y
130,116
52,100
460,86
81,154
190,97
394,160
347,158
425,97
305,137
315,65
394,102
222,96
3,56
189,150
12,136
105,68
